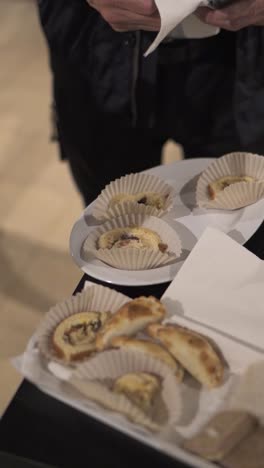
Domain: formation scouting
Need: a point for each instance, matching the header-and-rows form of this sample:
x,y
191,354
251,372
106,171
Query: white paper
x,y
221,285
172,13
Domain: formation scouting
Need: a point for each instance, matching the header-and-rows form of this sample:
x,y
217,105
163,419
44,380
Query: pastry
x,y
132,317
154,199
152,349
193,351
74,337
140,388
137,237
221,434
220,184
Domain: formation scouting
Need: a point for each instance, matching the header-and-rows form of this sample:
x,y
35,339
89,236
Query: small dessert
x,y
149,348
193,351
221,434
131,318
153,199
74,337
136,237
220,184
140,388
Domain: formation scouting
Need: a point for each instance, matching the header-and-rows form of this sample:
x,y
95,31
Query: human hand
x,y
128,15
236,16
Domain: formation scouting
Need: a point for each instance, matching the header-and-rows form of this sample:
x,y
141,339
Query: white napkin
x,y
173,13
221,285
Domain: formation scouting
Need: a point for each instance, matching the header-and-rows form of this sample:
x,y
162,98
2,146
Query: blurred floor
x,y
38,202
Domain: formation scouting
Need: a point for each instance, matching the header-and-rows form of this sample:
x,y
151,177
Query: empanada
x,y
151,349
193,351
132,317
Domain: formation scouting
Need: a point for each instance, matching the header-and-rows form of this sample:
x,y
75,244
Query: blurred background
x,y
38,200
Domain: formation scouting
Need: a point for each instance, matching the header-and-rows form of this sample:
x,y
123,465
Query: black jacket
x,y
114,67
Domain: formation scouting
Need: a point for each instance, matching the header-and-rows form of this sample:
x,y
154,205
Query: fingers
x,y
234,17
138,22
141,7
129,15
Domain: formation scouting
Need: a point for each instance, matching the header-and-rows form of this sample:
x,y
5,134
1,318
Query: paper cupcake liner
x,y
236,195
131,184
133,258
95,298
89,378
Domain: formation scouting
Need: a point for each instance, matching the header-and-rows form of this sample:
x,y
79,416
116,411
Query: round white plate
x,y
188,220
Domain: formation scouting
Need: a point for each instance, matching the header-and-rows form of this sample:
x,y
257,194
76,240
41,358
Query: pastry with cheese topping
x,y
140,388
136,237
74,337
220,184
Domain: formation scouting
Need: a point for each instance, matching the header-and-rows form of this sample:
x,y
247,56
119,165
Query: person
x,y
115,108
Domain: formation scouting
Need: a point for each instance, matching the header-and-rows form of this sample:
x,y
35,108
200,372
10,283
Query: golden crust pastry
x,y
141,388
220,184
151,349
155,199
74,337
132,317
193,351
137,237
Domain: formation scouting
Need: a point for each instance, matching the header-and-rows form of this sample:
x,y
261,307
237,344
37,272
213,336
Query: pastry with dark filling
x,y
136,237
153,199
74,337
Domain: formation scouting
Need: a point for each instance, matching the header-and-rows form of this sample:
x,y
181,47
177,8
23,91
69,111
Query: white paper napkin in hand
x,y
172,13
221,285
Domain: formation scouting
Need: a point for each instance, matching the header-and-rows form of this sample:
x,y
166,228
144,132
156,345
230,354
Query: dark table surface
x,y
44,430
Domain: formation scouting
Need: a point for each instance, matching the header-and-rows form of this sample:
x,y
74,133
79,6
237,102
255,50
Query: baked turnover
x,y
136,237
74,337
220,184
192,350
131,318
149,348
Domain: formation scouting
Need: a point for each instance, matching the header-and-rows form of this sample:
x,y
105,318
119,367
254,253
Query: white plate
x,y
188,220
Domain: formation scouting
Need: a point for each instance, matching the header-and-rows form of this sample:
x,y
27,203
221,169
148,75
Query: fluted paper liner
x,y
236,195
96,298
131,258
90,376
132,184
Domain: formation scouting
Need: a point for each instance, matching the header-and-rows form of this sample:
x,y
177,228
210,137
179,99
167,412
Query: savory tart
x,y
131,318
140,388
220,184
193,351
74,337
136,237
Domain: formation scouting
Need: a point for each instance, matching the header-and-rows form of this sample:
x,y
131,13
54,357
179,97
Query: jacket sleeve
x,y
67,24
